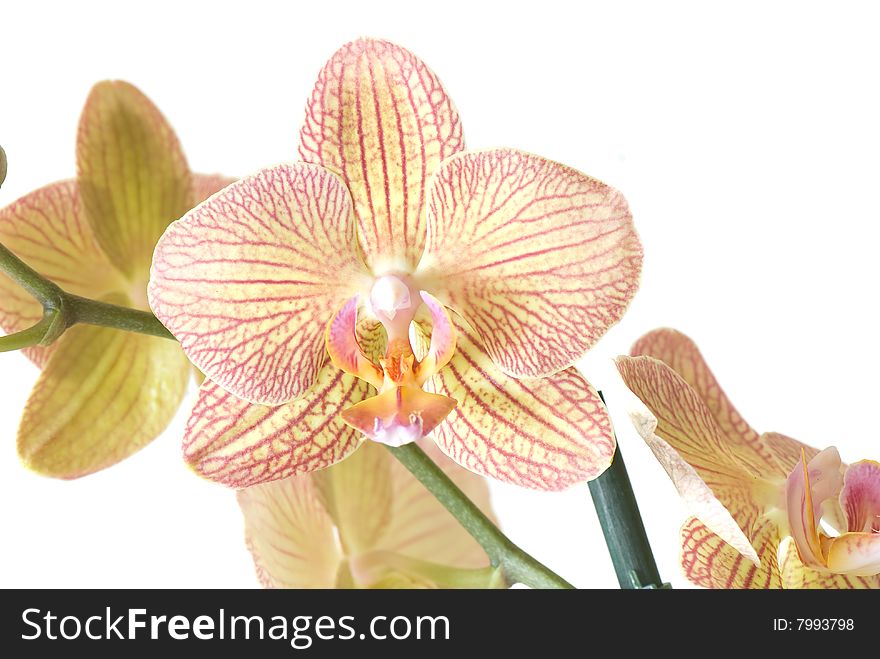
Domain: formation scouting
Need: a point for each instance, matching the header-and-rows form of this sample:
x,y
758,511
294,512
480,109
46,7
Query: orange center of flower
x,y
402,412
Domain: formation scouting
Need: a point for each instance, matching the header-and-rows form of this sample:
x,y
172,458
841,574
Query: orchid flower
x,y
363,523
102,394
757,500
391,284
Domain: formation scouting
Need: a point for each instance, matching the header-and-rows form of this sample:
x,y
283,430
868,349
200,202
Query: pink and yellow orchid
x,y
364,523
757,500
102,394
460,286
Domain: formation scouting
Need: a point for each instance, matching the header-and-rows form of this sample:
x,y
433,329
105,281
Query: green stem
x,y
62,310
517,565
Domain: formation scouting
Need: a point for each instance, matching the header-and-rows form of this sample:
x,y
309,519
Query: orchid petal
x,y
442,344
681,354
357,494
240,444
290,535
855,554
344,348
786,451
381,119
540,259
420,527
807,488
860,497
546,434
711,562
47,229
796,575
694,451
132,174
400,415
103,395
248,280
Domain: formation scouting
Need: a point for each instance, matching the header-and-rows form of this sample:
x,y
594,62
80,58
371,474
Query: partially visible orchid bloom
x,y
505,267
364,523
757,500
102,394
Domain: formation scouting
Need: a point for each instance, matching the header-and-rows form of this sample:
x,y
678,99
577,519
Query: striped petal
x,y
103,395
248,280
711,562
546,434
47,229
681,354
796,575
685,438
421,528
290,535
240,444
382,120
357,493
132,174
539,258
855,554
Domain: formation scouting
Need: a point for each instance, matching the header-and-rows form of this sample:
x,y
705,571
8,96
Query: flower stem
x,y
622,526
62,310
517,565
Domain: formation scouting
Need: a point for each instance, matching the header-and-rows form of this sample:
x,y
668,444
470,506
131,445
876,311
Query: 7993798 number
x,y
824,624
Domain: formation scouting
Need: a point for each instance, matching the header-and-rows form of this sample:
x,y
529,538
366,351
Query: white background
x,y
746,140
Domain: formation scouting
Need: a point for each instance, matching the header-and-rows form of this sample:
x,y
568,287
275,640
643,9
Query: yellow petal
x,y
855,554
103,395
540,259
249,279
420,527
546,434
290,535
711,562
681,354
685,438
132,174
357,494
796,575
241,444
47,230
381,119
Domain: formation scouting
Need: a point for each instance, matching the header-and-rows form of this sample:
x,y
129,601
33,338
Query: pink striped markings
x,y
756,499
512,265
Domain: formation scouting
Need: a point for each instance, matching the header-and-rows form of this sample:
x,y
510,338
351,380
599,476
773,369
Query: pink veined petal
x,y
694,451
546,434
807,488
860,497
248,280
239,444
540,259
682,355
710,562
381,119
